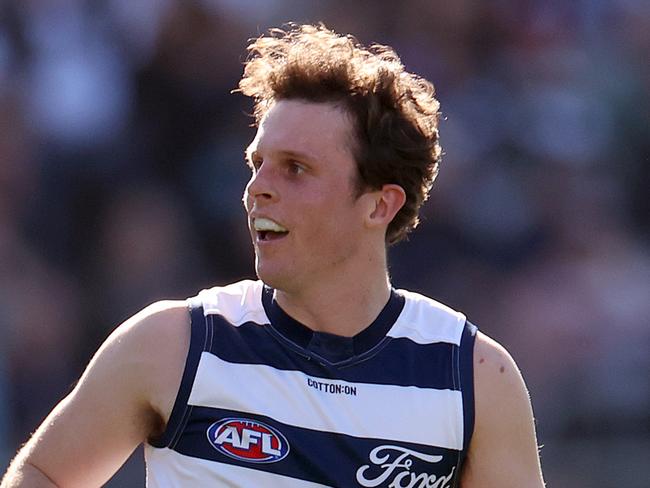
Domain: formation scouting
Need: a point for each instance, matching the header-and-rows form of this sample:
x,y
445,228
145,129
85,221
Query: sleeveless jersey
x,y
264,401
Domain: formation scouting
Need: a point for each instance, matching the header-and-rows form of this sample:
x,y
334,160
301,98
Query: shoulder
x,y
149,350
498,384
156,329
160,320
496,373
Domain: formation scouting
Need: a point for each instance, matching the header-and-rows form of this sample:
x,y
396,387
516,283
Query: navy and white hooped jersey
x,y
266,402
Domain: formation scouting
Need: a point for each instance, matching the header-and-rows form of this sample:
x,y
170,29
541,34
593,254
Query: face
x,y
305,222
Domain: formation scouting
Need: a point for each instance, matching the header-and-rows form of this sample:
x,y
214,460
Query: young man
x,y
319,374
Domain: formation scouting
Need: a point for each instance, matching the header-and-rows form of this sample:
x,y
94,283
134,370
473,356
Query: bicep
x,y
503,451
92,431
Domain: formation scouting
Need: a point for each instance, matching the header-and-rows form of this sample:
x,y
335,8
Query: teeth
x,y
262,224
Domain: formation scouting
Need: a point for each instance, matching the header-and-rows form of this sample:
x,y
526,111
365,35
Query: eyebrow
x,y
251,153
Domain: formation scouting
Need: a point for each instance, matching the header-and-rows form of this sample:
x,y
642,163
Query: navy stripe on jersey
x,y
322,457
181,410
466,372
400,362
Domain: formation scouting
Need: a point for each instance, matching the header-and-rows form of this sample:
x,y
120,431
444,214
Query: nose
x,y
260,187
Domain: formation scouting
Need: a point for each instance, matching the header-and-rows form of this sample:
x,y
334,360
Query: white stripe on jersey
x,y
167,468
372,413
426,321
238,302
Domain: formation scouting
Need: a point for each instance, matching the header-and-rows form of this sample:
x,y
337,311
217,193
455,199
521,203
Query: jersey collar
x,y
334,348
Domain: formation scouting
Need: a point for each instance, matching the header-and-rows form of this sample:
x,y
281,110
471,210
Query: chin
x,y
276,279
270,277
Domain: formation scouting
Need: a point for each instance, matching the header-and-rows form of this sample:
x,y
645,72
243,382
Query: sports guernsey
x,y
266,402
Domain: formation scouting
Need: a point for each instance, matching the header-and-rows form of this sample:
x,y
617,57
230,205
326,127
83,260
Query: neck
x,y
341,305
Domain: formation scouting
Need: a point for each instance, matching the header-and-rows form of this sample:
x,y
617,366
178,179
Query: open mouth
x,y
268,230
270,235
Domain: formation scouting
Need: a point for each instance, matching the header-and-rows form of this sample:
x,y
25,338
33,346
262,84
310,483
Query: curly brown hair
x,y
395,113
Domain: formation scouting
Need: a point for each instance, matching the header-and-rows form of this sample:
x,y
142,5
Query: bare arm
x,y
503,451
124,396
21,473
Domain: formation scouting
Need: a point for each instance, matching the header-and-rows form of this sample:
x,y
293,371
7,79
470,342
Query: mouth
x,y
267,235
268,230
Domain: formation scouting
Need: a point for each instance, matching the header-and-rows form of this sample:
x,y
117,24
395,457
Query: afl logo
x,y
248,440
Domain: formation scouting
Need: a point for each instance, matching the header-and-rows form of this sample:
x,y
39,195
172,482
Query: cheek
x,y
332,225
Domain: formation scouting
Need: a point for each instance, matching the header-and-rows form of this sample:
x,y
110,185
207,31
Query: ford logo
x,y
248,440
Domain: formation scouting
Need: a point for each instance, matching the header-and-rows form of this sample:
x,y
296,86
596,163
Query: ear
x,y
384,205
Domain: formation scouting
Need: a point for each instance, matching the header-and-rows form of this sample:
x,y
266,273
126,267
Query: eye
x,y
295,168
255,163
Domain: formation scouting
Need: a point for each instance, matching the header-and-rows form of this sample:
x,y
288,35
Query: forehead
x,y
318,130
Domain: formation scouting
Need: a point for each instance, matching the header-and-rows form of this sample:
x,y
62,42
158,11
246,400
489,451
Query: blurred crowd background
x,y
121,173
